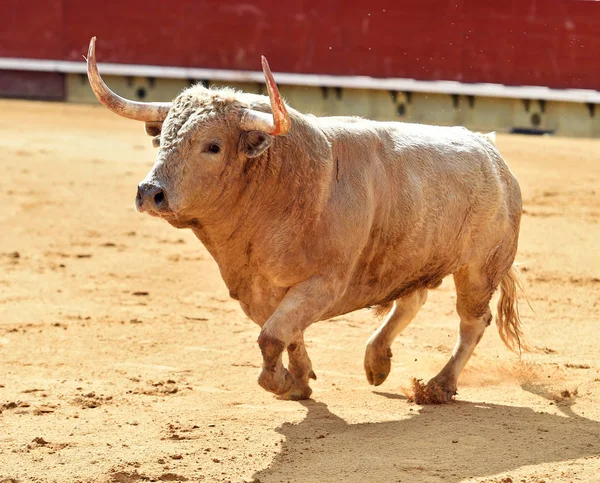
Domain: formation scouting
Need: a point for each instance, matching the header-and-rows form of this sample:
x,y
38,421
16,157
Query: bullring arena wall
x,y
515,66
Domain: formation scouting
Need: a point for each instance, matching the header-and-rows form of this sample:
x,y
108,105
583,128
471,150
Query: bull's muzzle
x,y
151,197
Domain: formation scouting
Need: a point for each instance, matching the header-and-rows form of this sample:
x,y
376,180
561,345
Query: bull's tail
x,y
508,319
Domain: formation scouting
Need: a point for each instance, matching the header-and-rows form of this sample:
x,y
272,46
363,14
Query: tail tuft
x,y
507,319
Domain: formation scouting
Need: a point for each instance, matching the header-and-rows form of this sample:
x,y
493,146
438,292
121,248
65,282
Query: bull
x,y
309,218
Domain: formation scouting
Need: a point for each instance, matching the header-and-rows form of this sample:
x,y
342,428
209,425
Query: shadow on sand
x,y
437,443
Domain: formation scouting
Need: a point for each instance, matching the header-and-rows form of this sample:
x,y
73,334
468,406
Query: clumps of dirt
x,y
178,433
159,388
134,477
505,479
127,477
171,477
40,442
21,407
44,409
421,393
577,366
566,394
90,400
12,255
565,397
557,278
554,395
442,349
179,241
12,258
10,405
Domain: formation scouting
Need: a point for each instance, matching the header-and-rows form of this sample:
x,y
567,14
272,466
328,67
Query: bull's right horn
x,y
278,123
140,111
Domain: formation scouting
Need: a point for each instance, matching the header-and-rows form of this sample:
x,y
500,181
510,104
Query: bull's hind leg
x,y
378,354
474,289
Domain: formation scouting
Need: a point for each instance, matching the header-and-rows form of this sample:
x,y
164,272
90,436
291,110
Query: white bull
x,y
312,217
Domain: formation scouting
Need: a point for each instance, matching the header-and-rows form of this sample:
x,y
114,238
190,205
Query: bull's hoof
x,y
298,393
301,389
378,363
279,382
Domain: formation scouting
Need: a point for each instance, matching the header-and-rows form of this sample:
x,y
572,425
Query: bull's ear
x,y
254,143
153,128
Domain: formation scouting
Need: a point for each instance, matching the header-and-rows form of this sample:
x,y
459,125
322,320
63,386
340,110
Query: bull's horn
x,y
140,111
276,124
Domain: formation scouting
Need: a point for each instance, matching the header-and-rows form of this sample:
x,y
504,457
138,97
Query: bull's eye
x,y
214,148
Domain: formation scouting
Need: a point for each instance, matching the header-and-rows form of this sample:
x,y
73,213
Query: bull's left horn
x,y
276,124
140,111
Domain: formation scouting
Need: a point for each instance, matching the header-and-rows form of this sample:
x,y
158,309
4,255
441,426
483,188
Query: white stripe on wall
x,y
352,82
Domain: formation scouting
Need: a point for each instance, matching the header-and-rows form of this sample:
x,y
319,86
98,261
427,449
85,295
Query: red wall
x,y
554,43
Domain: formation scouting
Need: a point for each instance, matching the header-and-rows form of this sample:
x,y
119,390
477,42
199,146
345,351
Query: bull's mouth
x,y
173,219
159,214
178,222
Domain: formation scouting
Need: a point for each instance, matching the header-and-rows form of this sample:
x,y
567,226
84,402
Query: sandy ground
x,y
122,358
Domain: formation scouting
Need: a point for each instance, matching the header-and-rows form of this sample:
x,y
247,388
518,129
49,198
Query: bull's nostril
x,y
159,198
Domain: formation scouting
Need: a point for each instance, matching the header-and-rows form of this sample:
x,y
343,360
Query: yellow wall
x,y
479,113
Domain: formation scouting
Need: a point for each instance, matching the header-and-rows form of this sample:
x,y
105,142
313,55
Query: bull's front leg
x,y
300,367
303,304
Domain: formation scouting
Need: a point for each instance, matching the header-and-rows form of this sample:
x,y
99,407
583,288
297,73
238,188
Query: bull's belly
x,y
376,286
358,298
260,298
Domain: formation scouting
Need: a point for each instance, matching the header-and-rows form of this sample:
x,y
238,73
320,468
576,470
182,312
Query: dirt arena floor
x,y
122,359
